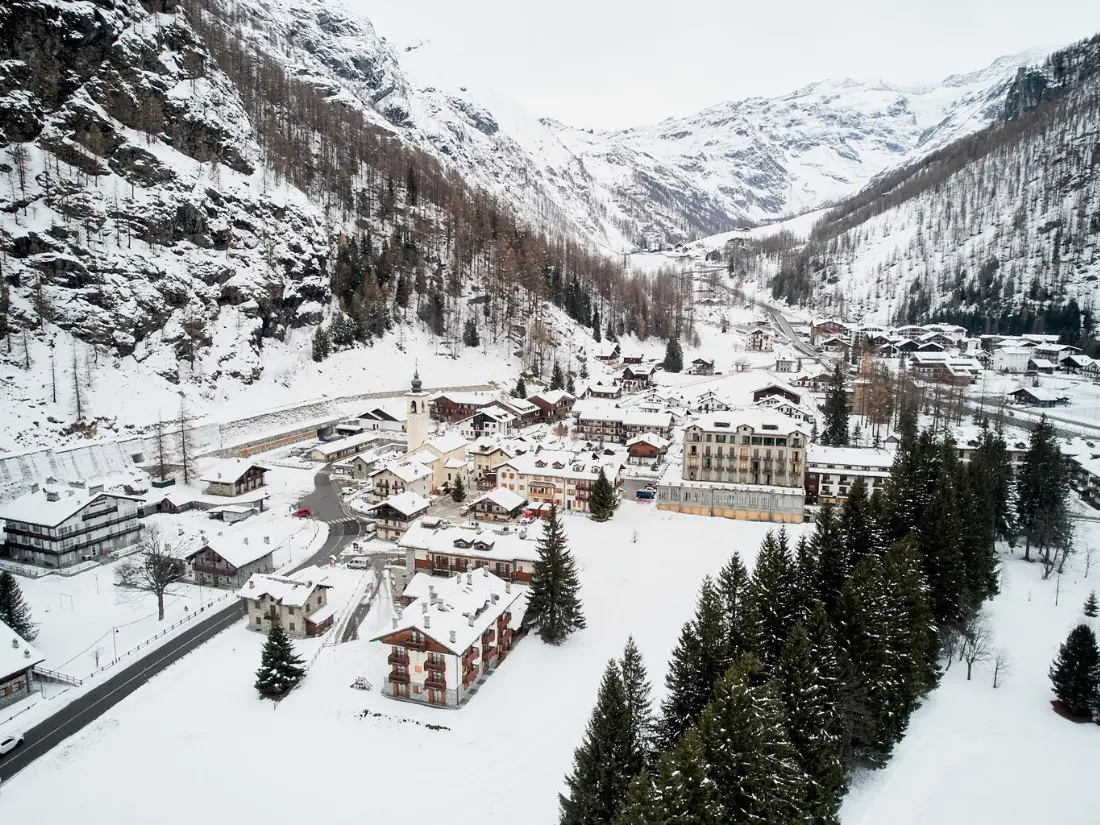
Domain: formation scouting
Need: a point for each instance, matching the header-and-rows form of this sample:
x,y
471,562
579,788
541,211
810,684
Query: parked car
x,y
527,520
304,512
646,493
359,562
10,743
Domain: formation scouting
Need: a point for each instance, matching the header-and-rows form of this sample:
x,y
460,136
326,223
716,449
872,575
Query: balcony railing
x,y
435,666
398,659
436,680
398,676
416,644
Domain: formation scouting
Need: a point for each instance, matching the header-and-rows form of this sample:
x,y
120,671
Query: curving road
x,y
325,504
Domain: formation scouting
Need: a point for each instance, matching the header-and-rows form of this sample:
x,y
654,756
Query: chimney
x,y
507,587
424,605
246,539
34,488
395,623
267,539
52,495
471,621
495,597
400,612
427,622
251,584
26,653
485,571
15,644
453,637
469,578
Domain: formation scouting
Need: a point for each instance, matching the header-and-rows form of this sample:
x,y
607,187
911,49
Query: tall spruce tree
x,y
1091,609
698,662
749,756
688,796
644,805
1075,674
733,582
520,390
856,527
554,606
813,726
835,411
917,638
674,356
280,667
806,575
557,379
1042,492
602,499
831,551
14,610
601,774
639,707
771,599
596,325
458,491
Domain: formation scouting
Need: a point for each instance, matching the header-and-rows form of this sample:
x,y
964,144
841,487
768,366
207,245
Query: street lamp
x,y
114,642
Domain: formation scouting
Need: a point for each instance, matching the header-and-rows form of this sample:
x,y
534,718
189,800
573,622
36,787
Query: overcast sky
x,y
610,63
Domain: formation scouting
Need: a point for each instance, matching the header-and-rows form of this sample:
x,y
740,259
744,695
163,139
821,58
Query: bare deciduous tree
x,y
1002,666
977,643
153,569
187,440
162,452
97,654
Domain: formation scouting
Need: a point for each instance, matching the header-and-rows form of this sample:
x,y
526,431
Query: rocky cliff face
x,y
137,213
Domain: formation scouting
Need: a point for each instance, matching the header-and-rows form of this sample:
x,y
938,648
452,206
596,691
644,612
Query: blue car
x,y
646,493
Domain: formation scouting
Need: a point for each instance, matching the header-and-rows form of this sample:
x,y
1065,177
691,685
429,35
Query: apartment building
x,y
831,471
750,445
560,477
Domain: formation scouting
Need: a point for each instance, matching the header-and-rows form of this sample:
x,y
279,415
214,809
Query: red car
x,y
303,513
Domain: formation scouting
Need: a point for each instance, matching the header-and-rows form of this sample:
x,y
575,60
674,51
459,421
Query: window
x,y
292,625
259,620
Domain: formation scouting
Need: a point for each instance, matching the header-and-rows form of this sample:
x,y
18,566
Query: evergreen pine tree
x,y
733,582
609,333
600,777
1075,674
569,386
813,725
602,500
1042,489
835,411
748,754
596,325
14,610
280,667
458,491
639,706
520,390
470,336
685,697
321,344
699,660
688,796
908,424
404,290
557,379
643,804
831,551
1091,607
771,599
583,372
553,605
805,579
855,525
674,356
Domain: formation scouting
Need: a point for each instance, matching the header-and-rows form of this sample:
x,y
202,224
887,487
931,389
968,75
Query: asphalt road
x,y
325,504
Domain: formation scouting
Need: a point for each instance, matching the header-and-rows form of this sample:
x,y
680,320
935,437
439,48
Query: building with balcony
x,y
442,548
393,516
451,636
499,504
399,477
233,477
298,602
560,477
58,525
751,445
17,662
230,562
554,405
831,471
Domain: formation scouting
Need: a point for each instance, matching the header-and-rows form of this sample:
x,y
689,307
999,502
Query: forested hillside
x,y
998,230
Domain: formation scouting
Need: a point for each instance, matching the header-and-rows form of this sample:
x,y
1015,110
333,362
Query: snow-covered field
x,y
500,759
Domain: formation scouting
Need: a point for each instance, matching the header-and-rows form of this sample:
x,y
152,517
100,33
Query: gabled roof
x,y
54,503
407,504
447,443
234,550
16,653
552,397
652,439
293,590
503,498
454,612
1039,394
231,470
407,471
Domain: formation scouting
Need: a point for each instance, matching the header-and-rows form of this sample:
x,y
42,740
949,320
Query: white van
x,y
359,562
368,530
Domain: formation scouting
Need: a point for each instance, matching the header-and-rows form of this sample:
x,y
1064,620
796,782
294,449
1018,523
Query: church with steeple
x,y
416,415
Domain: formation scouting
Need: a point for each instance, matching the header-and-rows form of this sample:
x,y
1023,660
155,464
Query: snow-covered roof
x,y
597,410
761,419
503,498
1039,394
864,457
501,416
455,463
514,545
293,590
649,420
475,399
566,464
457,610
52,504
520,405
407,471
782,386
344,444
229,471
408,504
1042,364
648,438
553,397
447,443
238,550
16,653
